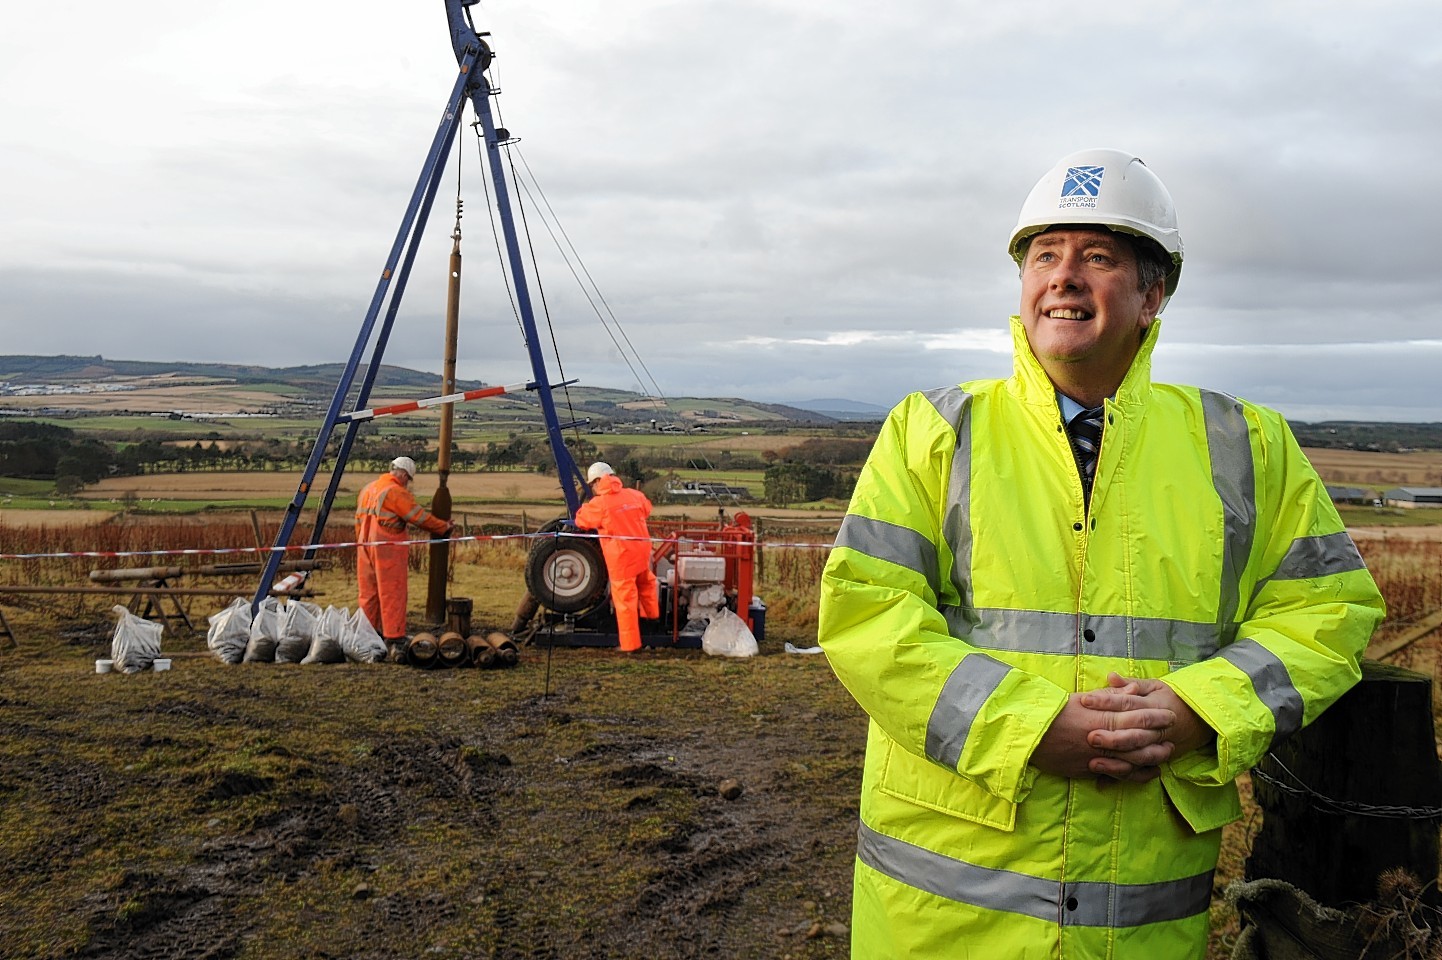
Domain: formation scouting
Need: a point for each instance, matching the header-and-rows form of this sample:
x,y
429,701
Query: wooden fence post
x,y
1354,794
760,552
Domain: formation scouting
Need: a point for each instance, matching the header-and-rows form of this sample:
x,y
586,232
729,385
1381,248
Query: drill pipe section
x,y
163,591
507,653
423,651
452,650
204,570
483,654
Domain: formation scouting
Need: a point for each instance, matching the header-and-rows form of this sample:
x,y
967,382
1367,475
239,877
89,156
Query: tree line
x,y
817,468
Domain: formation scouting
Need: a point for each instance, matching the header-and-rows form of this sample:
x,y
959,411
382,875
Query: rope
x,y
1348,807
629,350
495,235
541,296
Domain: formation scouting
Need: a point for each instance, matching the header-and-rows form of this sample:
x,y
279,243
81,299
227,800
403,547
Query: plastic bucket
x,y
757,612
104,666
160,664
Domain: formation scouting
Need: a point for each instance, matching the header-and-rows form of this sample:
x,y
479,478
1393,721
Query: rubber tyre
x,y
566,574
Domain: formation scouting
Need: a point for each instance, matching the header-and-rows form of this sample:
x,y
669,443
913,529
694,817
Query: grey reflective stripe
x,y
952,404
1323,556
1310,557
1070,904
1271,681
892,543
961,699
1065,634
1136,904
1234,477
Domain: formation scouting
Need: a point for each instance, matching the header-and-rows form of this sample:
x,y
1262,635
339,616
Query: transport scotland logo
x,y
1081,186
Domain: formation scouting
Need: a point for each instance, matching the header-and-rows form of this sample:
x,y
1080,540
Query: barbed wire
x,y
1355,808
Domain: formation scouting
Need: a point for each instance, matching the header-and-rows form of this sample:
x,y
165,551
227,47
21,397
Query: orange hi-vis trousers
x,y
382,573
634,597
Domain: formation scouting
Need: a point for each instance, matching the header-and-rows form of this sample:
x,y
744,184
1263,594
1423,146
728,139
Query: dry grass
x,y
233,485
1368,468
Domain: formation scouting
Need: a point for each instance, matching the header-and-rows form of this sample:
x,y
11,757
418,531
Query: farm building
x,y
703,489
1348,494
1410,497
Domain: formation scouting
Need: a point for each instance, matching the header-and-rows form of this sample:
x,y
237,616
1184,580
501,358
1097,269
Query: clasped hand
x,y
1123,731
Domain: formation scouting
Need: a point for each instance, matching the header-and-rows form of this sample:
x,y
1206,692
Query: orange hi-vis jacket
x,y
619,515
383,511
616,511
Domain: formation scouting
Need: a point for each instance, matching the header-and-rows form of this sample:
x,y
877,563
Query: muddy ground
x,y
666,804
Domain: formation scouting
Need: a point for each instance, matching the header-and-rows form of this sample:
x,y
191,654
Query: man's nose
x,y
1066,275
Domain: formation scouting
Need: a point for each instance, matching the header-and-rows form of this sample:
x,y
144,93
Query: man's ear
x,y
1152,303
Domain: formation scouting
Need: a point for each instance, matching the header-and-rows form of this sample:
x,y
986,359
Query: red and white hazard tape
x,y
476,538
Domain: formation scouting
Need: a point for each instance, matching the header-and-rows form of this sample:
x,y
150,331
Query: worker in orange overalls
x,y
619,516
383,509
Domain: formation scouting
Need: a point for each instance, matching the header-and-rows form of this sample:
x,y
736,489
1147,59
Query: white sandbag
x,y
360,641
297,630
325,645
728,636
136,642
229,632
264,632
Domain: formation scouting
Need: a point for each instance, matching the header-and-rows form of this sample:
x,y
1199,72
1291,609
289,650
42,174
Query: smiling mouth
x,y
1061,314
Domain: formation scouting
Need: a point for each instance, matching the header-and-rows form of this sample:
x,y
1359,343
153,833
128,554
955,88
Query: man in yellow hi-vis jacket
x,y
1076,604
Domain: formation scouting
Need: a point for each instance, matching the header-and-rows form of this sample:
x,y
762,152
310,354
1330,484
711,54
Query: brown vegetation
x,y
1362,468
233,485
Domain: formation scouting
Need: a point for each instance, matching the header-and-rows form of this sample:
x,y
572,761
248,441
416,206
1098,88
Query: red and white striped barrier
x,y
413,405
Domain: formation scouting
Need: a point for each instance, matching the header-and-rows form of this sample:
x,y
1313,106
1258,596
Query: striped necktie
x,y
1085,430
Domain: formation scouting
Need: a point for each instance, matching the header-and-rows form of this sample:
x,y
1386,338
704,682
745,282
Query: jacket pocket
x,y
1204,807
908,777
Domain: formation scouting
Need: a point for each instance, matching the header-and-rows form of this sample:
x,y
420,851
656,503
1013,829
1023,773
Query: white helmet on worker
x,y
1110,188
406,464
598,470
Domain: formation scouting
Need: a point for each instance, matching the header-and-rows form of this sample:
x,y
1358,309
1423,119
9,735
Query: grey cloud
x,y
738,170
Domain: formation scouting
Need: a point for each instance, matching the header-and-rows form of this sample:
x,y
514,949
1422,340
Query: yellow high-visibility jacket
x,y
970,591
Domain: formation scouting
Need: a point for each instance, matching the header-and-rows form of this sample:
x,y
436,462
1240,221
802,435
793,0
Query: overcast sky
x,y
778,199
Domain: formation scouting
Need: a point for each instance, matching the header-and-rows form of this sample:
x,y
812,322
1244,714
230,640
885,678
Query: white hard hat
x,y
406,464
598,469
1111,188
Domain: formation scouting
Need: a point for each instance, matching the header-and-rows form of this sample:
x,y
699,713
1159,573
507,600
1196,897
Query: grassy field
x,y
478,494
573,806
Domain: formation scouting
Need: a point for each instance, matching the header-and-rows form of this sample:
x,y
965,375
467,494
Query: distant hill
x,y
321,378
312,385
1368,435
841,409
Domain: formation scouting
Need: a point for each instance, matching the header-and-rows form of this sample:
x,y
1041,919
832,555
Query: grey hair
x,y
1153,263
